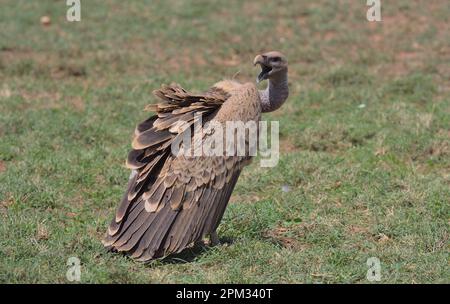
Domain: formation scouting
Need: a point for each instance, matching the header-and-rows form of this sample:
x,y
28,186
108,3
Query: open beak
x,y
265,69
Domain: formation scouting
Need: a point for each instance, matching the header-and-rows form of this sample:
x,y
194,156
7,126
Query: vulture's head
x,y
272,64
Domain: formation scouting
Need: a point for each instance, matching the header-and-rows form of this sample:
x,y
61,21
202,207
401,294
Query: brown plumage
x,y
172,200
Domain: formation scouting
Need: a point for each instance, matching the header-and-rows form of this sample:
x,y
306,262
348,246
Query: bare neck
x,y
275,94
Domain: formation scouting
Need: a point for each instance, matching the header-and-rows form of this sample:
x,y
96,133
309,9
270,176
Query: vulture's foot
x,y
214,239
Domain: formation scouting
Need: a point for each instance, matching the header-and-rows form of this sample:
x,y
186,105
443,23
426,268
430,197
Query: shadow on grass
x,y
188,255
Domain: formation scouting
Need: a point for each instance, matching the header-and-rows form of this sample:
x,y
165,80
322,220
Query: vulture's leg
x,y
199,243
214,239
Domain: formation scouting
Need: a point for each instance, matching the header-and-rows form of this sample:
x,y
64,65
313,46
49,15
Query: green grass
x,y
365,137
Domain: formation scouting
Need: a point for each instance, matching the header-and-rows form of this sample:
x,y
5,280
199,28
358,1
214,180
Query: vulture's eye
x,y
276,59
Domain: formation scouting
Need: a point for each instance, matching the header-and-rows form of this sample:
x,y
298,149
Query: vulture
x,y
173,201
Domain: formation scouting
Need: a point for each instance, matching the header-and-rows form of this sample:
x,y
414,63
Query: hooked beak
x,y
258,60
265,69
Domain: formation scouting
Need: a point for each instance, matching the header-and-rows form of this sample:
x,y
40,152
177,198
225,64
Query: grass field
x,y
365,137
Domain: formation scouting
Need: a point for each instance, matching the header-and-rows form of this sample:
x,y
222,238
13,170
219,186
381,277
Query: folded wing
x,y
172,201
